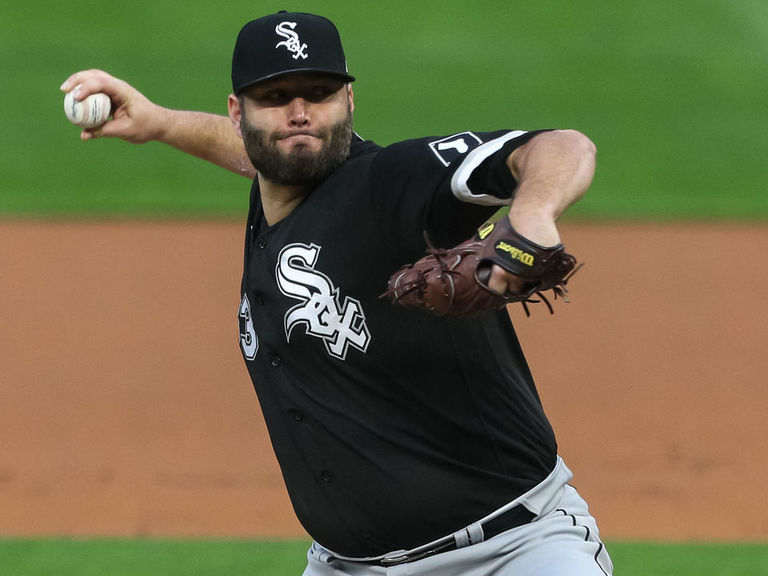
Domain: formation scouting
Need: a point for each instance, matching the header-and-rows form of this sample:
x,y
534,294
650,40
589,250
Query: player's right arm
x,y
137,119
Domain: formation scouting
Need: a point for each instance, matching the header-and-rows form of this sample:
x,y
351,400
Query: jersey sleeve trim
x,y
460,180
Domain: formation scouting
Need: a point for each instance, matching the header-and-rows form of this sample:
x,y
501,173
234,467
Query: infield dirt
x,y
125,407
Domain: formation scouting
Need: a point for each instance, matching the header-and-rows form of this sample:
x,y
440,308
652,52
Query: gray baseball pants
x,y
562,540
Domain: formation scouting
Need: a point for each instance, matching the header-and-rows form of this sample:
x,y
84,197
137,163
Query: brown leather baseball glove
x,y
454,281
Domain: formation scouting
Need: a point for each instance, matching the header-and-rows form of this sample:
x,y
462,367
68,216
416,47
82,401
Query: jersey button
x,y
276,361
325,476
296,415
262,243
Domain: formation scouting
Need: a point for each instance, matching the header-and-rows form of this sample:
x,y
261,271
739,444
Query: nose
x,y
298,112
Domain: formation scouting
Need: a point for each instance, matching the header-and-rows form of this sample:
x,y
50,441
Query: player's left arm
x,y
553,170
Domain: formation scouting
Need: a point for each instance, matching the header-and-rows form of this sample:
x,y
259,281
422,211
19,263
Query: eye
x,y
274,98
315,94
320,92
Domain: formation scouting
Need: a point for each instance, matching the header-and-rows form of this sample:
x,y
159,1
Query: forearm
x,y
137,119
206,136
553,171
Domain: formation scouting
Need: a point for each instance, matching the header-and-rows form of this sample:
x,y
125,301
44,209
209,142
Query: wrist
x,y
165,120
538,226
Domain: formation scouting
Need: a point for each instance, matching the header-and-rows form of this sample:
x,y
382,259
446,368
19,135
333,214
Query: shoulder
x,y
360,147
454,149
463,163
441,150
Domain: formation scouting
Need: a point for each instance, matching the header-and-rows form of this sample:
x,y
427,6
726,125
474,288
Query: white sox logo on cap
x,y
292,42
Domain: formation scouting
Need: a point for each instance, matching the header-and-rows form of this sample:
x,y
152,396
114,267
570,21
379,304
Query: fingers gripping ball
x,y
453,282
90,112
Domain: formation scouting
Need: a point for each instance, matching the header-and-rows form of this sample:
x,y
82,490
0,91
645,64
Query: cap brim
x,y
314,71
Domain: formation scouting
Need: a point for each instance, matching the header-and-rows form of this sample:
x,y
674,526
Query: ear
x,y
235,113
351,97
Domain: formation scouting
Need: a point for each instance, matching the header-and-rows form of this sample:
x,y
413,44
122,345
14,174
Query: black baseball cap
x,y
287,43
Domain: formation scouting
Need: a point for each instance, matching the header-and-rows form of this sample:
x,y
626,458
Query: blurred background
x,y
122,393
673,94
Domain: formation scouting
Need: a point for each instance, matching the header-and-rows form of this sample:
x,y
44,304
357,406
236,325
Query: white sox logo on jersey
x,y
291,42
340,324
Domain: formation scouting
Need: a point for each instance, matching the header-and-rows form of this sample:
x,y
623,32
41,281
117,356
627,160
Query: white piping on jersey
x,y
459,182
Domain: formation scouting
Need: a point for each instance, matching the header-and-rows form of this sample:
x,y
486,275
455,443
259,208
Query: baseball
x,y
90,112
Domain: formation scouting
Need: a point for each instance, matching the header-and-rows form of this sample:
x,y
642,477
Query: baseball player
x,y
411,442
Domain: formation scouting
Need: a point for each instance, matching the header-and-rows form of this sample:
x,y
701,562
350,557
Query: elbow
x,y
589,151
580,146
583,153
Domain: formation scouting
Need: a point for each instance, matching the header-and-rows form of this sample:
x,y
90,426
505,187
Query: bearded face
x,y
300,165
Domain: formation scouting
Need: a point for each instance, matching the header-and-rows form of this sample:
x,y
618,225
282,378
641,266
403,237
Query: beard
x,y
298,167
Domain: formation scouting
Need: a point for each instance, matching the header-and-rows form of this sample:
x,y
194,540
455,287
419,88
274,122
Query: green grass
x,y
673,94
724,559
151,557
287,558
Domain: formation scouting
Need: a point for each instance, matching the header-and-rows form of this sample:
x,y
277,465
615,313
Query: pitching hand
x,y
134,117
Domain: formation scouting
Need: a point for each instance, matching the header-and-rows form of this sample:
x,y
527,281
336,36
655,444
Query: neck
x,y
279,200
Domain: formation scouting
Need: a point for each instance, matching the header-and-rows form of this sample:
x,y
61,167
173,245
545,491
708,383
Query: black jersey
x,y
392,427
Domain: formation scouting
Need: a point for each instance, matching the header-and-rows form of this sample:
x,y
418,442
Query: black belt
x,y
512,518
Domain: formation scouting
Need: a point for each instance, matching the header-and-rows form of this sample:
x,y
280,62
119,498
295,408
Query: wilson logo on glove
x,y
454,281
514,252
